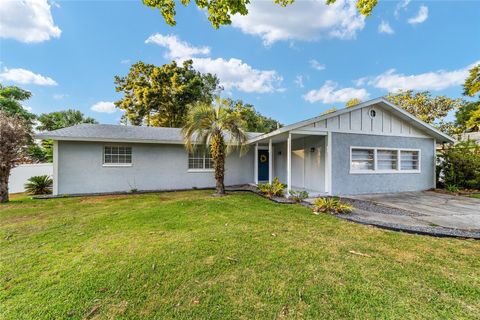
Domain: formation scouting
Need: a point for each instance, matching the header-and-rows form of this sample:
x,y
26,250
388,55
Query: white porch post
x,y
270,161
289,163
328,164
255,164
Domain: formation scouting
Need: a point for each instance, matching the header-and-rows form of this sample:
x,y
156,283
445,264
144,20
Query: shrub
x,y
331,205
39,185
459,165
276,188
298,196
452,188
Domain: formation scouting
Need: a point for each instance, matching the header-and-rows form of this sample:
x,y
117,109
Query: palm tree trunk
x,y
217,148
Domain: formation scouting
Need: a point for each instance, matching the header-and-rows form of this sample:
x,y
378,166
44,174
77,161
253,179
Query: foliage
x,y
13,137
331,205
452,188
423,106
462,116
62,119
62,258
459,165
472,83
352,102
254,121
276,188
220,12
298,196
160,96
10,102
328,111
473,123
215,127
39,185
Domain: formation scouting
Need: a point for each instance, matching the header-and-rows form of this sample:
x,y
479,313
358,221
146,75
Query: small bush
x,y
39,185
452,188
298,196
331,205
459,165
275,189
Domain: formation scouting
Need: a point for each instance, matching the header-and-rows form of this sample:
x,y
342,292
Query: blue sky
x,y
290,63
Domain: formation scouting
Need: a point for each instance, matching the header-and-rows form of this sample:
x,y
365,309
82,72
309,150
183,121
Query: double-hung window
x,y
384,160
200,160
117,156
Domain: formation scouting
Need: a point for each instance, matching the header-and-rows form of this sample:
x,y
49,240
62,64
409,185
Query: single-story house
x,y
373,147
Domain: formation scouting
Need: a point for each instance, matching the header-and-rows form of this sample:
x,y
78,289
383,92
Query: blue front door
x,y
262,165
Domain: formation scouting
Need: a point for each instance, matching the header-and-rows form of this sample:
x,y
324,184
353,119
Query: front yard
x,y
189,255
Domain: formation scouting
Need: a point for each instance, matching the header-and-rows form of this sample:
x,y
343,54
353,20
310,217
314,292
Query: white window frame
x,y
116,164
198,170
375,165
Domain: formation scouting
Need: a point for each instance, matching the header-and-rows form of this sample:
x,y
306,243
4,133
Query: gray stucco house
x,y
373,147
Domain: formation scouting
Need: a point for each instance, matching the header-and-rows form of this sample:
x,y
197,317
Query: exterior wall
x,y
155,167
359,121
308,168
19,175
344,183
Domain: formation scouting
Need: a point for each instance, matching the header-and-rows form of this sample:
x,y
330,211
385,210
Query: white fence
x,y
19,175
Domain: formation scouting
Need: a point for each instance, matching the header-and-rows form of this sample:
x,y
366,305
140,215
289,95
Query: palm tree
x,y
217,127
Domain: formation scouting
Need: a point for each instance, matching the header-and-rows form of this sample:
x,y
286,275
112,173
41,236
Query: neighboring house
x,y
373,147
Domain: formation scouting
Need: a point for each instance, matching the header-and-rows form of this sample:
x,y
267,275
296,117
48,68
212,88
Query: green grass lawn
x,y
189,255
475,195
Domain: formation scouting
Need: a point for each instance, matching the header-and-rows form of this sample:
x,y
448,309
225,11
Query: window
x,y
200,160
409,160
372,113
117,155
362,159
387,159
383,160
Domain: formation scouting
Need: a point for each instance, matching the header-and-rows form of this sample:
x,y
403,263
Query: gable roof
x,y
119,133
429,129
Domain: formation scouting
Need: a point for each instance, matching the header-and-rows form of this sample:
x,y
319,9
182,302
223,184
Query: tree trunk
x,y
217,149
4,175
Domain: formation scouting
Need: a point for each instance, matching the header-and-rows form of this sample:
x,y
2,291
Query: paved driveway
x,y
425,208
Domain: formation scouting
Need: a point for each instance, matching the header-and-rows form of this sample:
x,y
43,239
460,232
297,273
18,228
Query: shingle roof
x,y
120,133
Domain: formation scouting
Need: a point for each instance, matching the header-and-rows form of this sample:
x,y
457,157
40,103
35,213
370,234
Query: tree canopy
x,y
254,121
472,83
422,105
62,119
463,115
10,102
160,96
220,11
352,102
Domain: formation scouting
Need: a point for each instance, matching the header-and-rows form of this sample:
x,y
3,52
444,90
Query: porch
x,y
298,158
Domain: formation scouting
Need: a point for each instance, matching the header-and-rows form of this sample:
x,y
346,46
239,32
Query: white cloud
x,y
328,94
233,73
402,5
27,21
299,81
23,76
436,80
384,27
236,74
177,49
421,16
104,107
59,96
125,61
302,20
316,65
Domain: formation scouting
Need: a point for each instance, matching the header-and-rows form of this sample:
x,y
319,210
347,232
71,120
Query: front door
x,y
262,165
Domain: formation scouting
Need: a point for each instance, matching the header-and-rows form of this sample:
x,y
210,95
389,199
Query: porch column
x,y
289,163
270,161
255,164
328,164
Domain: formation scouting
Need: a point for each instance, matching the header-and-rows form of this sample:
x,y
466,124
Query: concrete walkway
x,y
428,211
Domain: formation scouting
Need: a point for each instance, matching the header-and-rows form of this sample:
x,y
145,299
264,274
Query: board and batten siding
x,y
359,121
346,183
154,167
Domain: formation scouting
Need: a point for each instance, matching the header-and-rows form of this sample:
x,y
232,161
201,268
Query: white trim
x,y
311,132
328,165
375,160
255,165
55,168
270,161
200,170
434,163
117,165
289,163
